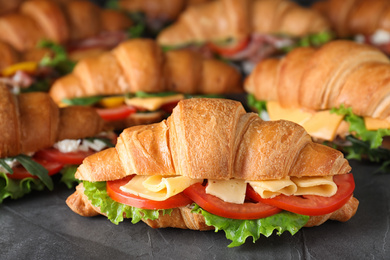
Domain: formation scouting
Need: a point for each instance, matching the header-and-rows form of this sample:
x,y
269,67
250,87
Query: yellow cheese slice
x,y
157,187
321,186
272,188
232,191
277,112
375,124
153,103
323,125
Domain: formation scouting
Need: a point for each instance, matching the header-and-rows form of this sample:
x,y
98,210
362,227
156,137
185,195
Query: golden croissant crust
x,y
32,121
140,65
217,139
339,73
224,19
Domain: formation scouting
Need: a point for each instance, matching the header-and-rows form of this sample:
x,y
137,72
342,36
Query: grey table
x,y
41,226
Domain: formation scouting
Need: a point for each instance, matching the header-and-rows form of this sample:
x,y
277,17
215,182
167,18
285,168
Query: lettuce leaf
x,y
115,211
239,230
60,61
16,189
236,230
373,138
67,177
258,105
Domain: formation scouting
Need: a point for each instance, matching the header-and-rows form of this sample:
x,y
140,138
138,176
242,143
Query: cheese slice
x,y
272,188
232,191
277,112
157,187
322,124
153,103
375,124
322,186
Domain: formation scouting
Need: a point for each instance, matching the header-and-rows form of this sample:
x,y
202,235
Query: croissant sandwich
x,y
246,30
211,165
366,21
42,41
338,93
39,139
138,77
79,24
158,13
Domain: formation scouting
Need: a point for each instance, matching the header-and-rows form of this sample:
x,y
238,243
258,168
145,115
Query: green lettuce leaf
x,y
67,177
59,61
258,105
115,211
238,230
35,169
357,126
82,101
15,189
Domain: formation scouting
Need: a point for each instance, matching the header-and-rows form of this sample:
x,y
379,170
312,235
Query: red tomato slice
x,y
229,50
168,107
120,196
20,172
52,154
117,113
312,205
216,206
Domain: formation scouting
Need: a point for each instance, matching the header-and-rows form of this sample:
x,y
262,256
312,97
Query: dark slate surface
x,y
41,226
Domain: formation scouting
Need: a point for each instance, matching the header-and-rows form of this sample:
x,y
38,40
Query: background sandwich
x,y
211,165
243,30
338,93
137,77
39,140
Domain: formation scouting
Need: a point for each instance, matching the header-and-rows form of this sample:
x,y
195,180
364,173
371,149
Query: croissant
x,y
140,65
32,121
167,10
212,139
61,23
368,20
307,83
226,19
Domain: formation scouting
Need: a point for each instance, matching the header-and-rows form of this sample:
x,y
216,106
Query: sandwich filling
x,y
359,136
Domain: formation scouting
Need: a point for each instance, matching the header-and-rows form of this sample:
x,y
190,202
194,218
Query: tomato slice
x,y
52,154
216,206
20,172
312,205
120,196
229,50
116,113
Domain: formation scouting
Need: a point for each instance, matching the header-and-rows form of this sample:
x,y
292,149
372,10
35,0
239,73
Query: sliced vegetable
x,y
229,48
312,205
54,155
238,230
116,113
115,211
28,66
82,101
114,191
214,205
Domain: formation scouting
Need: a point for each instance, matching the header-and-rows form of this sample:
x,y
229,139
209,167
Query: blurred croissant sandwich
x,y
338,93
39,139
157,13
246,30
137,77
211,165
43,39
366,21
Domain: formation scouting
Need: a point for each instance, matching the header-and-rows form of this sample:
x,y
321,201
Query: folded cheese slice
x,y
157,187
